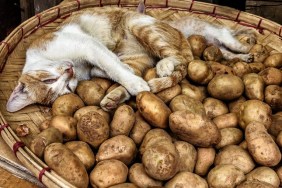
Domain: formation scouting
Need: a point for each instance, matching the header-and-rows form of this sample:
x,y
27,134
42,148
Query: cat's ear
x,y
18,99
141,7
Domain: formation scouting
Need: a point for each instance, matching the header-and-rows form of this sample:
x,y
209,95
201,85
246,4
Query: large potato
x,y
66,164
264,174
119,147
271,76
205,158
194,128
66,125
212,53
67,105
198,44
93,129
187,156
273,97
226,87
229,120
168,94
153,109
199,72
229,136
80,112
261,145
274,60
254,86
214,107
108,173
187,180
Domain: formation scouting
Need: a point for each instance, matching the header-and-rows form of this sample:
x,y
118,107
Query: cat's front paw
x,y
247,57
164,68
136,85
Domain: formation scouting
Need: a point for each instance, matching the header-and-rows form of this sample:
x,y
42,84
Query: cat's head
x,y
42,85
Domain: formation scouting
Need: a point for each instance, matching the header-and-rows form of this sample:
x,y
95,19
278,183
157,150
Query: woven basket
x,y
13,48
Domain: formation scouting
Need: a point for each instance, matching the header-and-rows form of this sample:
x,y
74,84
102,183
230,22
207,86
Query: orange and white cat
x,y
107,42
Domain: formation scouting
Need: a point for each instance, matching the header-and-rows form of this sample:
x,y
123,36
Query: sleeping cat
x,y
106,42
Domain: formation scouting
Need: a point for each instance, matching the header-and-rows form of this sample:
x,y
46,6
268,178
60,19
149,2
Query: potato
x,y
93,129
44,125
66,164
184,102
225,175
199,72
241,68
214,107
194,128
279,173
254,184
43,139
108,173
161,160
123,121
256,67
205,158
226,87
138,176
274,60
83,151
229,120
119,147
192,91
276,123
150,74
140,129
104,83
80,112
187,156
124,185
254,110
212,53
198,44
234,106
229,136
66,125
90,92
187,180
153,109
260,53
168,94
254,86
66,105
244,145
279,139
273,96
237,156
264,174
218,68
271,76
261,145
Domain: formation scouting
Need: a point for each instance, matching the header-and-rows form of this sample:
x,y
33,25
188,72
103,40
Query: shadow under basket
x,y
13,48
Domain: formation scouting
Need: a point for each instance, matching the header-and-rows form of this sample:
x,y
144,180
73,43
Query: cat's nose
x,y
69,70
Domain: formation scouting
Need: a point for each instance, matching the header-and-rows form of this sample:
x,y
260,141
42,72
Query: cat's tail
x,y
159,84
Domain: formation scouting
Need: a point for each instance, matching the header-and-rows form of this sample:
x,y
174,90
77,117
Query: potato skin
x,y
264,174
261,145
271,76
212,53
229,120
124,185
260,53
274,60
229,136
192,91
214,107
168,94
153,109
256,67
255,184
205,158
279,139
66,125
66,164
273,97
254,86
187,180
187,156
241,68
199,72
198,44
108,173
80,112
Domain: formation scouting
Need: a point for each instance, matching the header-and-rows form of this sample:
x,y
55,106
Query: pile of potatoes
x,y
220,127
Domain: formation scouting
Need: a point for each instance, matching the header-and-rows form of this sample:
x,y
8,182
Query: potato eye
x,y
50,81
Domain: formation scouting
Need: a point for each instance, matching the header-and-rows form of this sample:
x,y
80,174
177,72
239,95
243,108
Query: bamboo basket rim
x,y
47,176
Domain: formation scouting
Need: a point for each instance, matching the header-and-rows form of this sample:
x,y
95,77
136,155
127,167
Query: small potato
x,y
66,125
66,164
83,151
199,72
187,180
90,92
124,185
184,102
229,136
205,158
140,129
198,44
187,156
261,145
104,83
212,53
150,74
271,76
241,68
254,86
168,94
260,53
119,147
256,67
44,125
234,106
237,156
108,173
80,112
279,139
192,91
276,123
273,97
244,145
226,87
254,184
153,109
218,68
225,176
214,107
138,176
67,105
43,139
264,174
254,110
194,128
229,120
123,121
274,60
93,129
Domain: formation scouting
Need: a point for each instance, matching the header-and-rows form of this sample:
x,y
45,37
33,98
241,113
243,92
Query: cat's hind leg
x,y
230,55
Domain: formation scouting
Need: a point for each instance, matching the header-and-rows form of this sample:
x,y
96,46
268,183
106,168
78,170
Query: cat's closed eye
x,y
50,81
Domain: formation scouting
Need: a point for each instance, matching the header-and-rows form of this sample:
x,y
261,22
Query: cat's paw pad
x,y
247,57
164,68
136,85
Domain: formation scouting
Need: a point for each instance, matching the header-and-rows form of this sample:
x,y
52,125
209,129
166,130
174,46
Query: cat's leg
x,y
230,55
97,72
